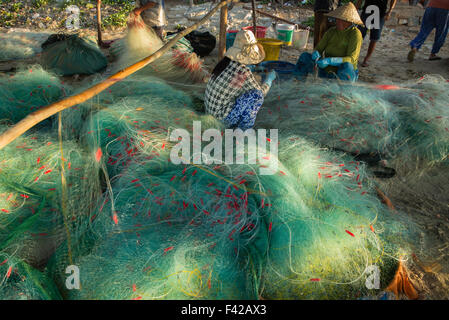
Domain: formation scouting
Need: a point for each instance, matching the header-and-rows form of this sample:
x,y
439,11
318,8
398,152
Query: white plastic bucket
x,y
300,38
285,33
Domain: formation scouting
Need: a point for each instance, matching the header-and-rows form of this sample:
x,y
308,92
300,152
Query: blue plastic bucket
x,y
230,37
283,69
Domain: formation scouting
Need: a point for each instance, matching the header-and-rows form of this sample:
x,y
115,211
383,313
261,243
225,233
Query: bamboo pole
x,y
100,40
223,29
34,118
254,17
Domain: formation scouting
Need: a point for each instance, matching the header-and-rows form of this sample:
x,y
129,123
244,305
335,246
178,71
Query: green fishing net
x,y
71,54
17,45
404,123
96,187
26,91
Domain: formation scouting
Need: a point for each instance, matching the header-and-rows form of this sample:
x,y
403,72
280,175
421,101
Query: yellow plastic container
x,y
272,48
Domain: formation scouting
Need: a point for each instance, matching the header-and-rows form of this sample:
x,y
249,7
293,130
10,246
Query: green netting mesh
x,y
406,122
97,189
19,281
20,45
26,91
47,190
71,54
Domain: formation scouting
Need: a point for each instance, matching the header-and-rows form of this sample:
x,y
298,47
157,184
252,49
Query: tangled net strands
x,y
196,205
164,231
111,197
20,45
221,232
26,91
330,114
179,65
47,188
67,55
424,114
196,232
23,282
135,118
329,228
406,123
170,247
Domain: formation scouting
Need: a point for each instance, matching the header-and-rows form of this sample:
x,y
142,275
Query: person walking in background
x,y
435,17
374,31
154,15
321,8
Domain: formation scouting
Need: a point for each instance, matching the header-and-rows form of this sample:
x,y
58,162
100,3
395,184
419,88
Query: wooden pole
x,y
278,18
223,29
34,118
254,17
100,40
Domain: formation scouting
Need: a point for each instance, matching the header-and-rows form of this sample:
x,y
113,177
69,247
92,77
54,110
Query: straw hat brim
x,y
347,13
255,56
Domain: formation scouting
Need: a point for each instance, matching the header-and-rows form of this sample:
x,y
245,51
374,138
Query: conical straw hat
x,y
246,49
348,12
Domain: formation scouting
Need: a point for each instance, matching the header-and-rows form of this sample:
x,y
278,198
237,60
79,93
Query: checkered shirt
x,y
222,91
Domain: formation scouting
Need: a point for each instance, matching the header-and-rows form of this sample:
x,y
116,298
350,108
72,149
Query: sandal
x,y
433,58
411,55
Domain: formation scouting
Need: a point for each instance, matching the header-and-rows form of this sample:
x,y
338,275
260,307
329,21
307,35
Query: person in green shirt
x,y
337,54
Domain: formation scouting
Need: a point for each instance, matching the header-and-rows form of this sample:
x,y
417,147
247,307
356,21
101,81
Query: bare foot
x,y
365,64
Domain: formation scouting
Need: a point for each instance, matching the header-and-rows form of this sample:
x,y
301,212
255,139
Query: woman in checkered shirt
x,y
232,93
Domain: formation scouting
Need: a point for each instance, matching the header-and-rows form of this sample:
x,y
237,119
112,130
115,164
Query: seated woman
x,y
339,48
232,93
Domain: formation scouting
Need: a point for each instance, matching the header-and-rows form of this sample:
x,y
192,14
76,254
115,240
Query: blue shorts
x,y
374,34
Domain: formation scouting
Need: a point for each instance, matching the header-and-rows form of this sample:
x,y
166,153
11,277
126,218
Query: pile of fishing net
x,y
23,282
179,64
405,123
47,187
27,91
226,232
422,107
69,54
99,187
220,231
20,45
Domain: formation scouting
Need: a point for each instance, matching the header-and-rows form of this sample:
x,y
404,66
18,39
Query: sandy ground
x,y
424,194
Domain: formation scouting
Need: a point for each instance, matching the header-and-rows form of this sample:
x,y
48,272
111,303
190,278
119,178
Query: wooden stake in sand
x,y
223,29
100,40
34,118
254,18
